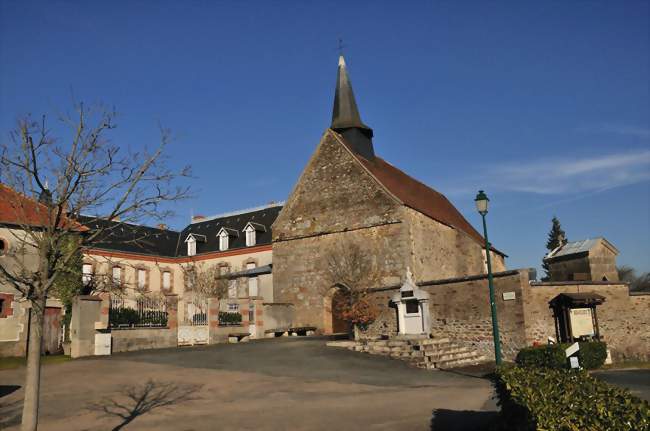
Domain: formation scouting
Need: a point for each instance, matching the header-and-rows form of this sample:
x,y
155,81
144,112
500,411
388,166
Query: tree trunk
x,y
33,371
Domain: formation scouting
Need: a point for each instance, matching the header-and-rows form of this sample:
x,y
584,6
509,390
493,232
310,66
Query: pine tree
x,y
556,238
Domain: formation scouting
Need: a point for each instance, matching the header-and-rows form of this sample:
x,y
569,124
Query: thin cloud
x,y
561,177
618,129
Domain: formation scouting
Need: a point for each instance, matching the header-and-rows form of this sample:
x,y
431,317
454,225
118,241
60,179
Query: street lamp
x,y
482,207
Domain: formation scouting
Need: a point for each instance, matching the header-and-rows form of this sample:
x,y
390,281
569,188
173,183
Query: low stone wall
x,y
127,340
460,310
623,319
278,316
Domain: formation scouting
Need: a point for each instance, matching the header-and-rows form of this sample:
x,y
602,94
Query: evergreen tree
x,y
556,238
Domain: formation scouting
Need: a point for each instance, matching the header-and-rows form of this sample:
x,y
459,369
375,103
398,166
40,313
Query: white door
x,y
412,317
252,329
252,282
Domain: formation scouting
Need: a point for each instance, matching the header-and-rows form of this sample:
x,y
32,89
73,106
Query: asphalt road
x,y
637,381
279,384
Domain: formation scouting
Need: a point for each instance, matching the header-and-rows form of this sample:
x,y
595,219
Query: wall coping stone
x,y
579,283
455,280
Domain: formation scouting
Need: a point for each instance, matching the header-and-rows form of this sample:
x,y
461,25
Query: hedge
x,y
226,318
592,354
571,400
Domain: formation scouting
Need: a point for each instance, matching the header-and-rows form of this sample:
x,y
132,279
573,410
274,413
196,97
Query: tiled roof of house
x,y
419,196
20,210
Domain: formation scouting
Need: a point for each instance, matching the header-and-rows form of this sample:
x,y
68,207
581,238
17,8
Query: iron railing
x,y
137,312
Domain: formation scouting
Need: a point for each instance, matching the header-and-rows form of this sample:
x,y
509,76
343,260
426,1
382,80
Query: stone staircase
x,y
422,352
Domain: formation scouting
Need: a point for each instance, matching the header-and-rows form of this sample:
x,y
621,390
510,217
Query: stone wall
x,y
127,340
300,269
570,268
624,319
278,316
461,311
439,251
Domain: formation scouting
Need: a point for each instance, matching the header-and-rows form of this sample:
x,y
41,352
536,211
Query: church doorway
x,y
335,302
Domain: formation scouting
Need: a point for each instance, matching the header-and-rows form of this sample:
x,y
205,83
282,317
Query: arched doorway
x,y
334,303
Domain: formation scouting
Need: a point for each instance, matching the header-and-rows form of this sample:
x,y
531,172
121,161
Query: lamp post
x,y
482,207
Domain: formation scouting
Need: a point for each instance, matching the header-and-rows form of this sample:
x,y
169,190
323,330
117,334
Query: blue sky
x,y
545,105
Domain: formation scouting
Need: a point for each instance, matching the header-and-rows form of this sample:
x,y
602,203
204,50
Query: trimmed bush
x,y
550,356
548,399
592,354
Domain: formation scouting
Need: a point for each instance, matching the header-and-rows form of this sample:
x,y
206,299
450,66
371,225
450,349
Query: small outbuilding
x,y
587,260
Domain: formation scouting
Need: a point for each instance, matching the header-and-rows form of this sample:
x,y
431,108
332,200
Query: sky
x,y
544,105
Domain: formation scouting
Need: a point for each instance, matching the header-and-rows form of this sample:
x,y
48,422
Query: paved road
x,y
637,381
281,384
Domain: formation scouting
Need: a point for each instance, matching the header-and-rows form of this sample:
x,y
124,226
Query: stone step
x,y
455,363
434,341
451,351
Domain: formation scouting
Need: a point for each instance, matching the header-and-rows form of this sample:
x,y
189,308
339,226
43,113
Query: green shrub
x,y
549,356
592,354
226,318
548,399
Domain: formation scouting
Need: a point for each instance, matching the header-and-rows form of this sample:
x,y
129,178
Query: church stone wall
x,y
602,263
440,251
300,266
334,194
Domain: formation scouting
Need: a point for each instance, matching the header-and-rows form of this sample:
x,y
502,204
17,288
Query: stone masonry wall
x,y
300,267
333,194
624,320
461,311
335,203
440,251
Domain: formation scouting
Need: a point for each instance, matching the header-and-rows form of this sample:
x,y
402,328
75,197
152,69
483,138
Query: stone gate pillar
x,y
86,312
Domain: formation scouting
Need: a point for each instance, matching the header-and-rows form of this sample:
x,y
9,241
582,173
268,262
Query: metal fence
x,y
137,312
195,312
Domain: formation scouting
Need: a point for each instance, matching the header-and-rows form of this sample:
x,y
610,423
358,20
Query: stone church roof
x,y
417,195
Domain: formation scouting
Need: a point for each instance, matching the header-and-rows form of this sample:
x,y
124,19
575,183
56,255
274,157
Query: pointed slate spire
x,y
345,116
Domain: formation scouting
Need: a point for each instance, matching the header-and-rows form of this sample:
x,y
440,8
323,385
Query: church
x,y
348,195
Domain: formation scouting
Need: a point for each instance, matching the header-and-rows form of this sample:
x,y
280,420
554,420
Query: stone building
x,y
348,195
17,215
586,260
158,260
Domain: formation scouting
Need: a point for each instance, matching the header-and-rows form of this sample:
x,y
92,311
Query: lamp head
x,y
481,202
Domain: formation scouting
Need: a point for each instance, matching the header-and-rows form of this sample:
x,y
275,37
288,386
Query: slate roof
x,y
234,223
576,248
419,196
132,238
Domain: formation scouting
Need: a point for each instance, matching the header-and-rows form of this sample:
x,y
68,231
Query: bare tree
x,y
355,272
91,180
638,283
205,280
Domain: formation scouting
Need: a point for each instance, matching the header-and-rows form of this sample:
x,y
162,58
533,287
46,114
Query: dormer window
x,y
191,246
191,241
224,237
251,230
250,236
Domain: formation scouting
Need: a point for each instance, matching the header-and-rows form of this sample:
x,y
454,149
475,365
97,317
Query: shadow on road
x,y
462,420
8,389
138,400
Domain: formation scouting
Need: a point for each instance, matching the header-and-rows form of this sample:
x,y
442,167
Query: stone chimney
x,y
161,226
197,218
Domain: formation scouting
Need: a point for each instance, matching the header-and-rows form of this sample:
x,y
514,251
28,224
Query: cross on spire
x,y
340,46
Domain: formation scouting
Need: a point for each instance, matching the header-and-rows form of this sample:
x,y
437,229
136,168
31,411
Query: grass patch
x,y
10,363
